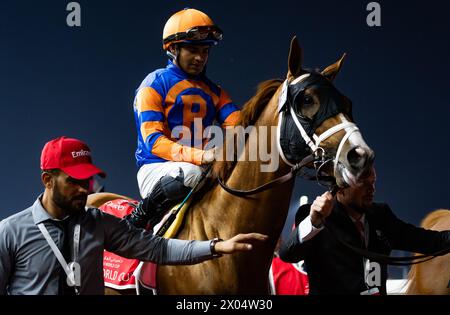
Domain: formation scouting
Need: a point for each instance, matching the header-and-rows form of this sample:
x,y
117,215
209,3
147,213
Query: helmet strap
x,y
171,56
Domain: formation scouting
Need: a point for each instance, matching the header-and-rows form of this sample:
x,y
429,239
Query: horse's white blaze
x,y
354,139
300,78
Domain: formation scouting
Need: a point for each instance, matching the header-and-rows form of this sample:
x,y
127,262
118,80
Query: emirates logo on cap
x,y
71,156
76,154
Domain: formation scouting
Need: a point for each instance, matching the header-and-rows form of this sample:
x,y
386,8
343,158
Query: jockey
x,y
179,96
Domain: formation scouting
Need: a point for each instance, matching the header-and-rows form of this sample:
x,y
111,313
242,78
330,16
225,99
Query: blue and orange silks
x,y
169,99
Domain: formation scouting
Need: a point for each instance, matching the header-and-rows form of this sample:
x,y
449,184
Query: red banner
x,y
118,271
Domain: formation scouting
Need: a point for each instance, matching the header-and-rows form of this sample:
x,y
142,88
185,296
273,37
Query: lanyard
x,y
73,279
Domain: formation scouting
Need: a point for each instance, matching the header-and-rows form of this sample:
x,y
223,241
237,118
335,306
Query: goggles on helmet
x,y
197,33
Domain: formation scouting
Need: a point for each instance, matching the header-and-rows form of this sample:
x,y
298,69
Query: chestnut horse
x,y
304,116
432,276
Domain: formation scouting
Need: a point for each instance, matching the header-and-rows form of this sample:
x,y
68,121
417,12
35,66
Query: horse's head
x,y
314,117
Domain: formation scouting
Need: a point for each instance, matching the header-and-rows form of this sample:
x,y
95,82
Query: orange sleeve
x,y
170,150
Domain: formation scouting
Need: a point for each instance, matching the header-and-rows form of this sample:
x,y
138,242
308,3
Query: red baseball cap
x,y
70,155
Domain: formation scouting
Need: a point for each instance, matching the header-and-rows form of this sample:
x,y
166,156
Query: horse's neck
x,y
264,212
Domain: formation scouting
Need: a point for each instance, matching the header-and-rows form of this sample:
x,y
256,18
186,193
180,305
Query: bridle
x,y
317,155
314,144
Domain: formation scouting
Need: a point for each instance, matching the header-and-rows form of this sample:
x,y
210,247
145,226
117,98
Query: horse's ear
x,y
331,72
295,59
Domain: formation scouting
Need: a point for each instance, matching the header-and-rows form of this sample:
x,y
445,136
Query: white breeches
x,y
149,174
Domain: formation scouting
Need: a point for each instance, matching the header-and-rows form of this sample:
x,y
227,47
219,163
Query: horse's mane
x,y
249,114
254,106
432,218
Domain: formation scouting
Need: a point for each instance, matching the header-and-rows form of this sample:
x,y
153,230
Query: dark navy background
x,y
80,82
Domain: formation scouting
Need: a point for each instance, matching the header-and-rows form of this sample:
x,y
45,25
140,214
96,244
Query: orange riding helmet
x,y
190,26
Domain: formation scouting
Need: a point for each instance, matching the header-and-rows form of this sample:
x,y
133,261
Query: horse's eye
x,y
308,100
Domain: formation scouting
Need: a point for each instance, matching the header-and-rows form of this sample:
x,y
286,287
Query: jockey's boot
x,y
166,194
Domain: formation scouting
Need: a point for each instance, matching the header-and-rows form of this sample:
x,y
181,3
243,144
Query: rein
x,y
278,181
390,260
386,259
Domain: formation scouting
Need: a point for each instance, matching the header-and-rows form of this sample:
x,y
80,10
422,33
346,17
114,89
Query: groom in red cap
x,y
56,245
67,168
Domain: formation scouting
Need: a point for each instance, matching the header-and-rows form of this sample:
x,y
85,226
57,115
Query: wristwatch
x,y
212,246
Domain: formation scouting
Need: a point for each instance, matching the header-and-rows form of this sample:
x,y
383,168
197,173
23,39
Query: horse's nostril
x,y
357,157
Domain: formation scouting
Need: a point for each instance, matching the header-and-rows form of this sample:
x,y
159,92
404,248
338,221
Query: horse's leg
x,y
111,291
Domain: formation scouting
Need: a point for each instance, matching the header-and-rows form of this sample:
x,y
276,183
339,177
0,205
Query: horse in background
x,y
432,276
